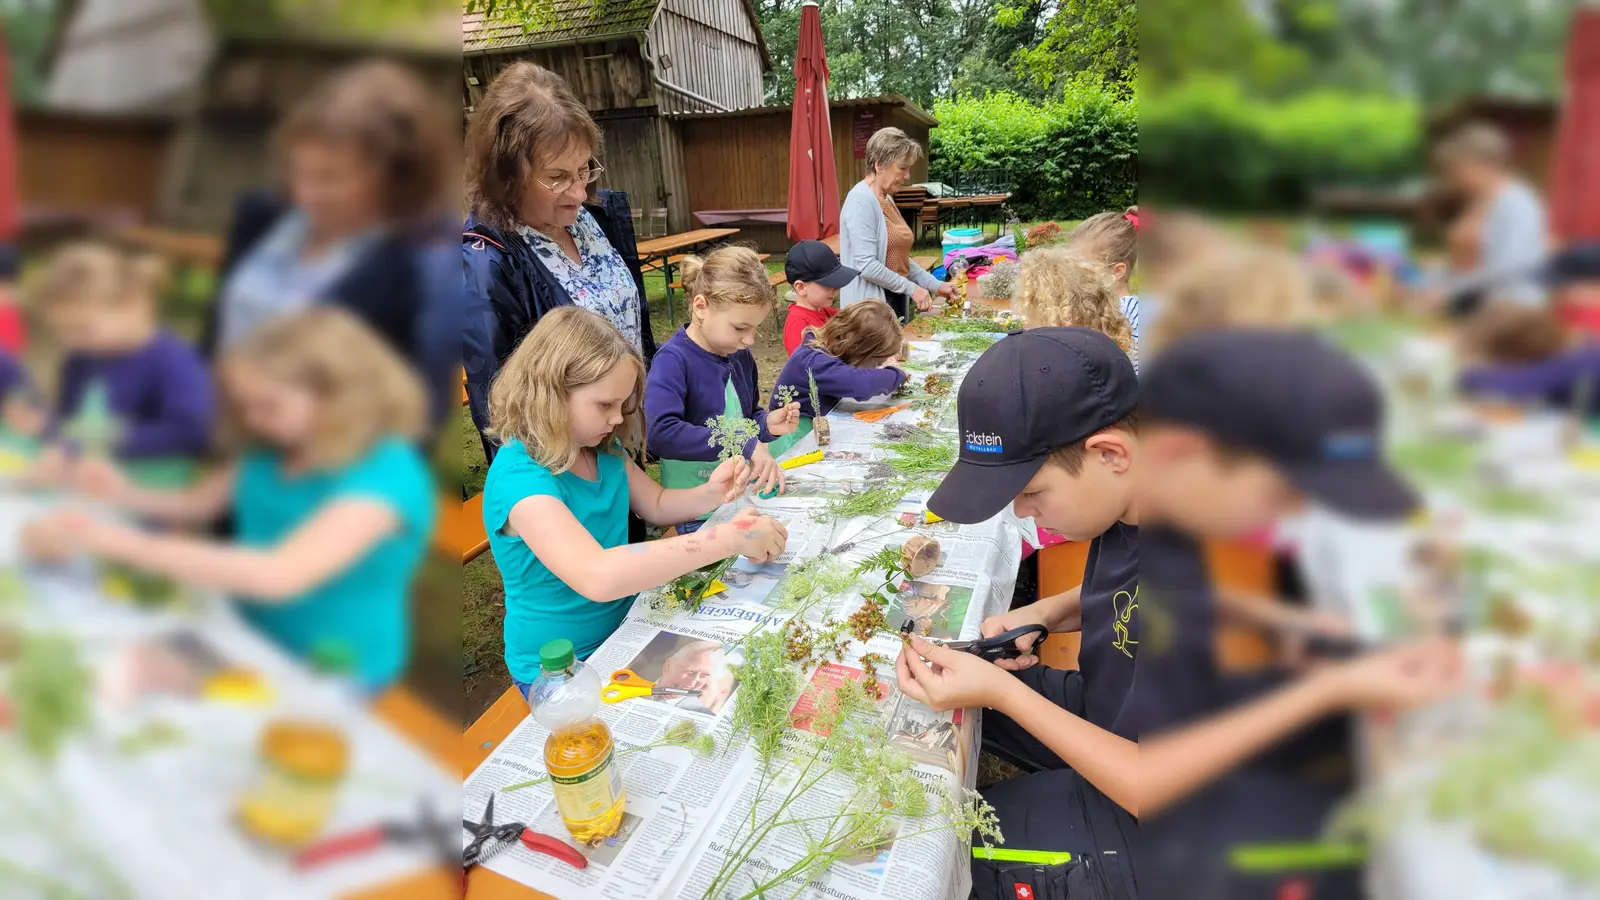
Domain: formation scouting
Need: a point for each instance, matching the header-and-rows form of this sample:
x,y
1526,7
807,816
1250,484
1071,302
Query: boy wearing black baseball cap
x,y
1048,427
815,273
1237,427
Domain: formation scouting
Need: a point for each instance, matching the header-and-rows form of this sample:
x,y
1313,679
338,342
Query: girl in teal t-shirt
x,y
333,504
556,501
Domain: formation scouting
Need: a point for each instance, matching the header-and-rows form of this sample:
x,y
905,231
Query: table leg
x,y
666,272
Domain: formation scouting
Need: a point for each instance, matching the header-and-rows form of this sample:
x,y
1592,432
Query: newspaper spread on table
x,y
683,811
171,806
1372,574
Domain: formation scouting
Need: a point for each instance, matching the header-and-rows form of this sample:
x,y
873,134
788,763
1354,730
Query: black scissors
x,y
1001,646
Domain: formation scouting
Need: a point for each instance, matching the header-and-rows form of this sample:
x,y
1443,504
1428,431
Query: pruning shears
x,y
1001,646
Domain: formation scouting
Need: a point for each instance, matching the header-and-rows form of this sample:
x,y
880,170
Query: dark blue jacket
x,y
382,288
509,290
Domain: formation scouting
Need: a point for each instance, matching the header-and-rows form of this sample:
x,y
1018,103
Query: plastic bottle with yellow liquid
x,y
579,754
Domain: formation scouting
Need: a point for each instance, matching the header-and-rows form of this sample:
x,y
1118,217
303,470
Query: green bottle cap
x,y
333,657
556,656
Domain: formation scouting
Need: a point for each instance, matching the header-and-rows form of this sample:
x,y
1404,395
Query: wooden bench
x,y
1233,565
202,250
461,534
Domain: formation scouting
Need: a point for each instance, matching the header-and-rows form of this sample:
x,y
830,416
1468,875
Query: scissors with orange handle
x,y
627,684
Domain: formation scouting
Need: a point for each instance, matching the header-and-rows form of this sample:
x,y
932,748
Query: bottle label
x,y
590,795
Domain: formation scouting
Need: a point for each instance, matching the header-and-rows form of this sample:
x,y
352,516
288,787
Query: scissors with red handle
x,y
489,839
355,843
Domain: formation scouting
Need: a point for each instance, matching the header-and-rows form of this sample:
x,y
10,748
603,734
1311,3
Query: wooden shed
x,y
199,84
223,143
737,163
633,64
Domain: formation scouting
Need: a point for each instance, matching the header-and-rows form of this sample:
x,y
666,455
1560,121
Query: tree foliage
x,y
1432,50
1210,144
910,47
1069,157
1098,37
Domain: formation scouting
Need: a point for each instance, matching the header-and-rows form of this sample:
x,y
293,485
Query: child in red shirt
x,y
815,273
13,334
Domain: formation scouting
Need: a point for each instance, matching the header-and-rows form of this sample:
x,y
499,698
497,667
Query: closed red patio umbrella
x,y
813,181
1575,170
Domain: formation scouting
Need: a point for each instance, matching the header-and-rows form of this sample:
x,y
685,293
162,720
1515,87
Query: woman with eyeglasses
x,y
535,240
365,160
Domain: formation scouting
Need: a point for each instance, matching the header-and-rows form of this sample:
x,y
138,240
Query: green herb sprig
x,y
969,326
49,691
729,434
686,592
969,343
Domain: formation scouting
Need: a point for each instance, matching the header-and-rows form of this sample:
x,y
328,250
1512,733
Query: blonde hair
x,y
570,348
1058,287
395,119
1108,237
528,116
1171,241
98,273
1240,287
888,146
364,390
861,333
1477,142
728,276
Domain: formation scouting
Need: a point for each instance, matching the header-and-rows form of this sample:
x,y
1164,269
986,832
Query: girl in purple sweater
x,y
706,371
146,390
1527,355
849,358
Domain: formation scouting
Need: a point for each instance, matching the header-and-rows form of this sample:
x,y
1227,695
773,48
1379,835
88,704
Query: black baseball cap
x,y
816,262
1294,399
1026,397
1577,262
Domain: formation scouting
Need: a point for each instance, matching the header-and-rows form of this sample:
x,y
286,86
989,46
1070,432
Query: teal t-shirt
x,y
365,610
539,606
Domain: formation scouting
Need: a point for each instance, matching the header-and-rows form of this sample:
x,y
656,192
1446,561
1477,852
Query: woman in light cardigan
x,y
874,238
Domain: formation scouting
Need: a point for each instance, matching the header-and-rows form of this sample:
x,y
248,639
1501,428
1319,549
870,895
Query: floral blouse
x,y
601,282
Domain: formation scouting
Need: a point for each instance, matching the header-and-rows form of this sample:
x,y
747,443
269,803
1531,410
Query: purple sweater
x,y
836,380
160,392
1552,381
12,377
687,386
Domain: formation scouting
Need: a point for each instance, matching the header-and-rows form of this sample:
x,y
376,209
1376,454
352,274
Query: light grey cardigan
x,y
863,241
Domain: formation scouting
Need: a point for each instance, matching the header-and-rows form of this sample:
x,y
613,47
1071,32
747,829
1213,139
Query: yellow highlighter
x,y
238,686
804,459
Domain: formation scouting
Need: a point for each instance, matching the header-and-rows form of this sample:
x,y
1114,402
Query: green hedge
x,y
1207,144
1067,158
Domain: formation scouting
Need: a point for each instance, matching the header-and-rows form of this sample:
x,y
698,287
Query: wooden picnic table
x,y
656,253
191,248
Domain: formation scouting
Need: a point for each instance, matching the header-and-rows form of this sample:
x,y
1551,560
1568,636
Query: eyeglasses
x,y
589,174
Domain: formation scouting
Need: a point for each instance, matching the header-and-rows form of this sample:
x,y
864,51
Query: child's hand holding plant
x,y
765,473
951,679
784,420
99,478
729,480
